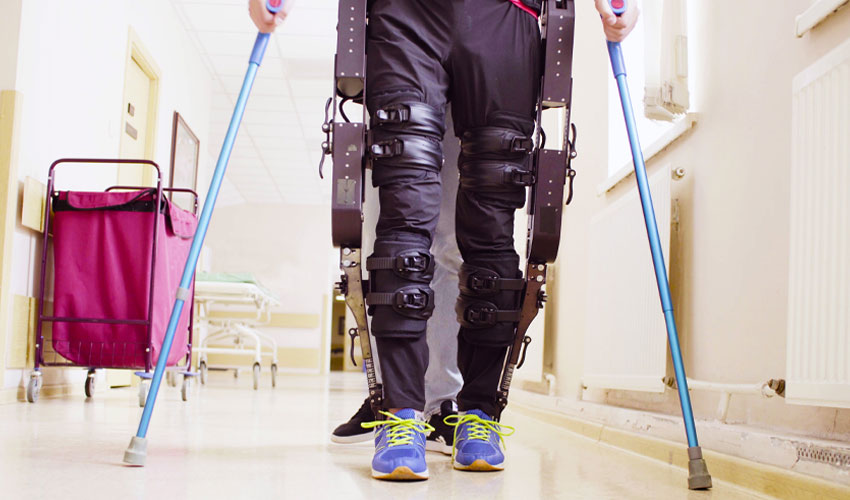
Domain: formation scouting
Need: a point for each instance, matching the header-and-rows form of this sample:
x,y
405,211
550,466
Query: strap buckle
x,y
387,149
396,113
480,316
415,300
483,284
522,145
519,177
415,263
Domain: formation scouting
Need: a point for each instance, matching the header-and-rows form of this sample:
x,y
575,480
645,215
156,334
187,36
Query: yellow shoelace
x,y
399,430
478,428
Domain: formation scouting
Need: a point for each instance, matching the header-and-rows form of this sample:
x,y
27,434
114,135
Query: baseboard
x,y
757,477
9,395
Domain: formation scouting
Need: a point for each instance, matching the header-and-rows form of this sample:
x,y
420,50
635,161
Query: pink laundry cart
x,y
117,260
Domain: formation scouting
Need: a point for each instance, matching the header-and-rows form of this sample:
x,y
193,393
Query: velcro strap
x,y
482,314
410,117
495,140
481,281
482,174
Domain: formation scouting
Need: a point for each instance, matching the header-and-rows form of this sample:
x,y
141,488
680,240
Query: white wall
x,y
729,260
71,62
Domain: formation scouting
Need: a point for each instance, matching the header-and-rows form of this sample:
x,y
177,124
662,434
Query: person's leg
x,y
406,96
442,379
495,74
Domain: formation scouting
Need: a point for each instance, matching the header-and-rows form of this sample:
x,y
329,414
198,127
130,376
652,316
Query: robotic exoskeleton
x,y
496,305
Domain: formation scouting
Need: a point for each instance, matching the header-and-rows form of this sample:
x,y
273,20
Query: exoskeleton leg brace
x,y
551,171
494,299
346,143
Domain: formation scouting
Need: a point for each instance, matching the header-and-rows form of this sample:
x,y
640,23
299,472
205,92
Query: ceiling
x,y
277,151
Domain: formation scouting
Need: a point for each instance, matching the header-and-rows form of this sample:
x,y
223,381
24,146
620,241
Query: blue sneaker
x,y
399,446
478,441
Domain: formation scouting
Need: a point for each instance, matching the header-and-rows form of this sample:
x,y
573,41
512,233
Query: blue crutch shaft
x,y
255,60
618,67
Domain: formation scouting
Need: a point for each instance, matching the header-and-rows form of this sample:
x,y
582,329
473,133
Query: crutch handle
x,y
275,6
618,7
614,49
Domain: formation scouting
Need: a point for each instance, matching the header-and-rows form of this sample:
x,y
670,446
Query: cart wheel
x,y
33,388
184,390
143,392
274,374
202,368
171,378
90,384
256,376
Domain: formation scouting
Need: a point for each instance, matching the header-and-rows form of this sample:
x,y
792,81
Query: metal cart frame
x,y
34,385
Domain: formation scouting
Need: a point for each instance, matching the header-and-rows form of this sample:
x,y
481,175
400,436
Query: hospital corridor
x,y
416,249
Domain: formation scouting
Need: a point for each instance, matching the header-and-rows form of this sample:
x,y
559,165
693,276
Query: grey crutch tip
x,y
137,452
698,476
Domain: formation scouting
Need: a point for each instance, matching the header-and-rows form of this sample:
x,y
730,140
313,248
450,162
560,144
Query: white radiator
x,y
818,348
625,342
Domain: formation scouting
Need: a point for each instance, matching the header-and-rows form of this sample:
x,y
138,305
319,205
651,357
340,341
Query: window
x,y
656,54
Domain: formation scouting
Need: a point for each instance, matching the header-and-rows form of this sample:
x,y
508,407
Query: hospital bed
x,y
231,306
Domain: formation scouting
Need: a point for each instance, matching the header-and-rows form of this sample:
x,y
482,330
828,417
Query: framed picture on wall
x,y
185,149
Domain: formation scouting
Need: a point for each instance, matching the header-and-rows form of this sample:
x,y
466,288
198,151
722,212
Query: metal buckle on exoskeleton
x,y
387,149
519,177
522,145
396,113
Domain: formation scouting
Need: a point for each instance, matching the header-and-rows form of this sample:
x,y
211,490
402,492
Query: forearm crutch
x,y
698,476
136,453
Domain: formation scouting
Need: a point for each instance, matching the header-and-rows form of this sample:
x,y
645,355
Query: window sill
x,y
815,14
676,131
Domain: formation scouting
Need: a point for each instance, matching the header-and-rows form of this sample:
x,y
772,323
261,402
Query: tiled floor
x,y
229,441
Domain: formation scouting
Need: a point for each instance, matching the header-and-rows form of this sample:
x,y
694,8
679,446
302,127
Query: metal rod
x,y
203,224
616,55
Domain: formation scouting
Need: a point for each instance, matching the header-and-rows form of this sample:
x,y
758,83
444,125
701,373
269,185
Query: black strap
x,y
415,261
410,117
481,314
480,281
412,301
490,140
484,174
407,150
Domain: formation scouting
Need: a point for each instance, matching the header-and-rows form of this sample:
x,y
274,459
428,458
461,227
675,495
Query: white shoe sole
x,y
357,438
438,447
